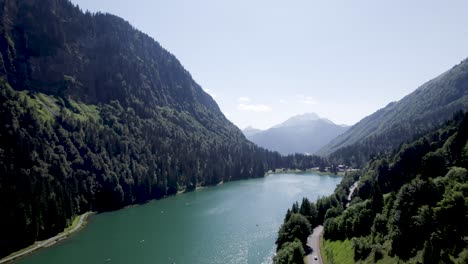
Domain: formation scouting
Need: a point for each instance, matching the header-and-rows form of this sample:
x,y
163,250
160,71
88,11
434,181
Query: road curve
x,y
313,241
48,241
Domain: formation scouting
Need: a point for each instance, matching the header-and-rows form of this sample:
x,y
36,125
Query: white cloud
x,y
243,99
282,101
254,107
245,104
309,100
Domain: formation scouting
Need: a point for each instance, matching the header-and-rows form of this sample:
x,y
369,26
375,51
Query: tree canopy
x,y
411,206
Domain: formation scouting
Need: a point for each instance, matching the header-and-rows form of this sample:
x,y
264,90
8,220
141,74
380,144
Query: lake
x,y
236,222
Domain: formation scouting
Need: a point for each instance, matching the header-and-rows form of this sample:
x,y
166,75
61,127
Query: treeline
x,y
301,218
54,166
411,206
388,142
417,114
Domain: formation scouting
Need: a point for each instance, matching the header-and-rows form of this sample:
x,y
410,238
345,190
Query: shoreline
x,y
179,192
297,171
50,241
82,223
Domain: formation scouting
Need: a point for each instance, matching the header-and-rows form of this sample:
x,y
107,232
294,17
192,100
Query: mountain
x,y
96,115
427,107
407,207
250,131
299,120
299,134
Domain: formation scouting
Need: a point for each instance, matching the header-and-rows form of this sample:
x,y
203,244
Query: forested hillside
x,y
411,206
411,117
97,115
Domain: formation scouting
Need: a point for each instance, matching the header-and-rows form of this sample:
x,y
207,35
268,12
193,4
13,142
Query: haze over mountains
x,y
411,194
304,133
250,131
412,188
96,115
427,107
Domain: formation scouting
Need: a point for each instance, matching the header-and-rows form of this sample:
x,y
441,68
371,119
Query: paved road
x,y
48,241
313,241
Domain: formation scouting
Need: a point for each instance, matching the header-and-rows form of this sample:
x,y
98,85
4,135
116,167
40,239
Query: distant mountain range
x,y
250,131
305,133
383,131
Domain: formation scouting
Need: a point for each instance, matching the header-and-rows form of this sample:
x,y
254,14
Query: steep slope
x,y
52,47
97,115
427,107
416,202
408,207
300,134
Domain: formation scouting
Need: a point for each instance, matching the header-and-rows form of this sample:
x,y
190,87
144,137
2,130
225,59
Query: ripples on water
x,y
233,223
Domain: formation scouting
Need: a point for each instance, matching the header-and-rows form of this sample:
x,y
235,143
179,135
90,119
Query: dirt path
x,y
47,242
313,241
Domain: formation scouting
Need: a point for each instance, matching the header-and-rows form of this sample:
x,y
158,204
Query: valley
x,y
101,124
304,134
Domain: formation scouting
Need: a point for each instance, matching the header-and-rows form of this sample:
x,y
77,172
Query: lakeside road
x,y
313,241
49,241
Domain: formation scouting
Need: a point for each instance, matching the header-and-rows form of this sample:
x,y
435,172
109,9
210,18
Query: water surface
x,y
236,222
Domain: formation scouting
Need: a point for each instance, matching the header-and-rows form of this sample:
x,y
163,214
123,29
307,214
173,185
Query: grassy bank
x,y
337,252
342,252
74,223
73,228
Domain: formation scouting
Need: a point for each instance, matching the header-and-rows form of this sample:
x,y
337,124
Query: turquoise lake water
x,y
236,222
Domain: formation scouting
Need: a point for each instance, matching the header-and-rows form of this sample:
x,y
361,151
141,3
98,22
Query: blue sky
x,y
264,61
